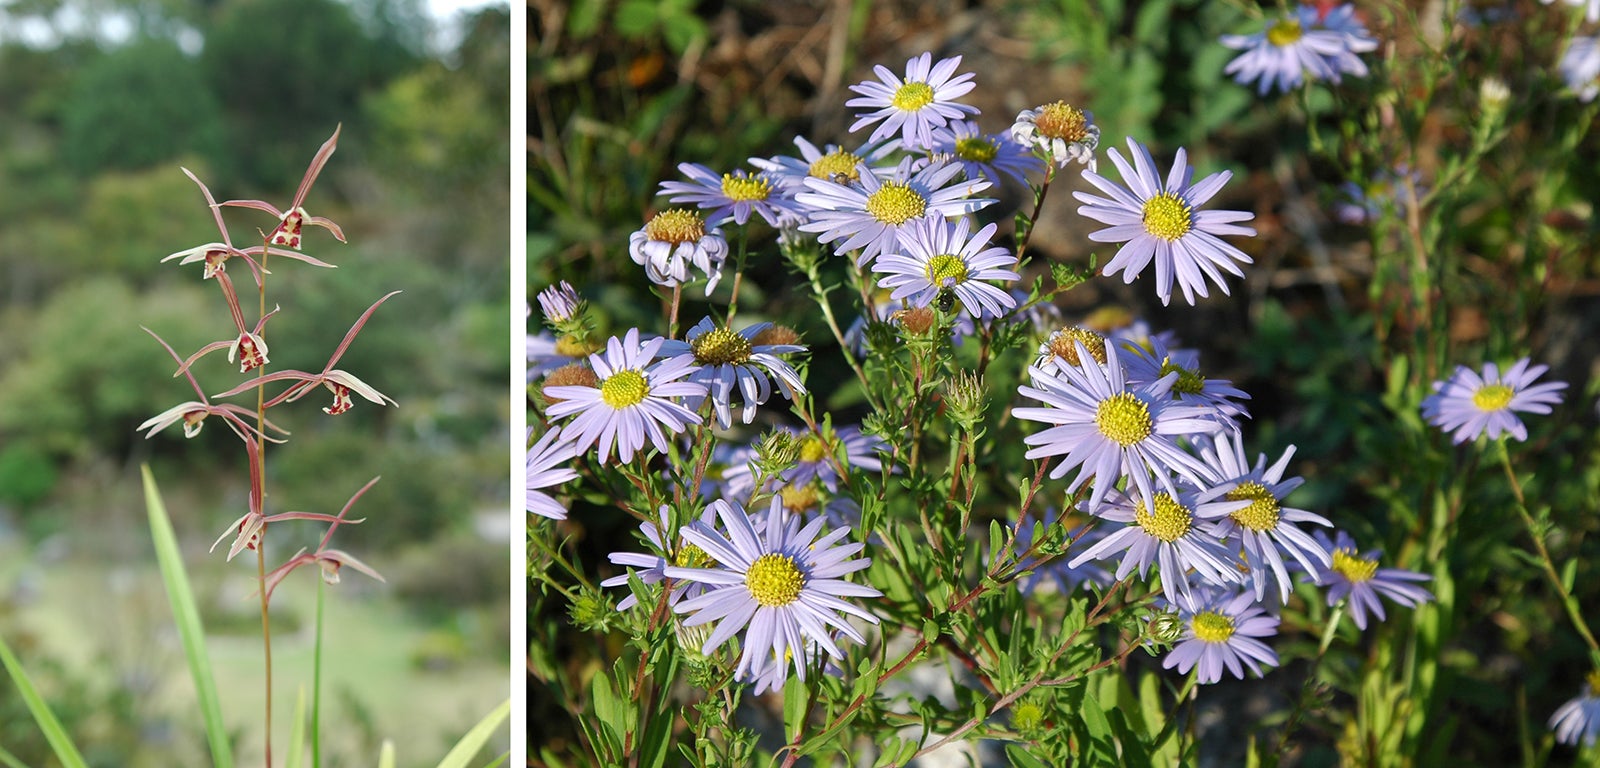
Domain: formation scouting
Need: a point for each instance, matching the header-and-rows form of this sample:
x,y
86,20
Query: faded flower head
x,y
1060,132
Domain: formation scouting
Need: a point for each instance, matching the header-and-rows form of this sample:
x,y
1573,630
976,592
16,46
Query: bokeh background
x,y
101,102
621,92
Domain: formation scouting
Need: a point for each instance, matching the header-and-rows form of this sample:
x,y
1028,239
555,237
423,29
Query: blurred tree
x,y
137,106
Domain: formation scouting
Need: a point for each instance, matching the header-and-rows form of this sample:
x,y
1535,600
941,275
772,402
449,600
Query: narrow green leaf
x,y
48,724
794,707
316,683
297,731
1022,758
386,754
657,741
475,738
10,760
187,617
1569,574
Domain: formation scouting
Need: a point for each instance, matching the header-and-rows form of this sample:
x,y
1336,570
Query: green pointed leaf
x,y
476,737
48,724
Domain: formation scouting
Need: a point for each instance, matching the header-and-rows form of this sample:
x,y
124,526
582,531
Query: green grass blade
x,y
475,738
10,760
187,617
48,724
386,755
297,731
316,684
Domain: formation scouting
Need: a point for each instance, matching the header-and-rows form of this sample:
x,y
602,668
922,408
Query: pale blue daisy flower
x,y
1364,203
936,256
1296,47
652,566
1222,630
1471,404
547,468
1173,535
782,586
1161,223
1356,575
1109,431
730,196
875,213
731,360
674,240
634,400
1343,20
1580,67
1578,720
1154,359
996,157
832,162
1267,529
914,106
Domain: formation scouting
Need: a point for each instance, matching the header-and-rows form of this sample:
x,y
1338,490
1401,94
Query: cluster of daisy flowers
x,y
1154,451
1315,42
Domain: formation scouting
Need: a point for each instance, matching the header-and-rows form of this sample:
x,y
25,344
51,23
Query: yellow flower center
x,y
1170,521
1062,121
1353,566
1124,419
624,389
569,346
1062,346
1212,627
742,188
912,96
1284,32
812,449
1167,216
720,345
774,580
946,267
976,149
799,498
896,203
1189,382
1594,682
776,335
1262,514
835,164
691,556
1492,397
676,226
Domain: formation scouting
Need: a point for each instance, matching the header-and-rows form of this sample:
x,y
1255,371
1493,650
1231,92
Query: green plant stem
x,y
1038,204
316,683
1567,600
833,325
261,493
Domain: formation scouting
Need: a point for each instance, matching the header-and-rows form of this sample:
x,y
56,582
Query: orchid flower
x,y
291,222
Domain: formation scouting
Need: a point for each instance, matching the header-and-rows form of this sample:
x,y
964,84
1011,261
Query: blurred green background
x,y
101,102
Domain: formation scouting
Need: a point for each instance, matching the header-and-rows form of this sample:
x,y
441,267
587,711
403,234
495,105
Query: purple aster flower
x,y
730,360
832,162
1059,131
731,196
1295,47
672,241
653,566
1342,20
547,468
1266,528
1580,67
913,107
875,213
1161,222
632,402
936,256
1153,360
1358,577
783,588
1472,404
559,303
1591,8
1111,431
1172,537
1221,629
996,157
816,454
1365,202
1578,720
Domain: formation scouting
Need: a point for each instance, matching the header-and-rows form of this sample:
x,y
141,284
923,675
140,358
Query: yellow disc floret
x,y
691,556
624,389
1354,567
1167,216
1284,32
1212,627
976,149
676,226
741,188
1170,521
774,580
946,267
1062,121
1492,397
1262,514
1189,382
1062,346
912,96
835,164
1124,418
719,346
813,449
799,498
896,203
